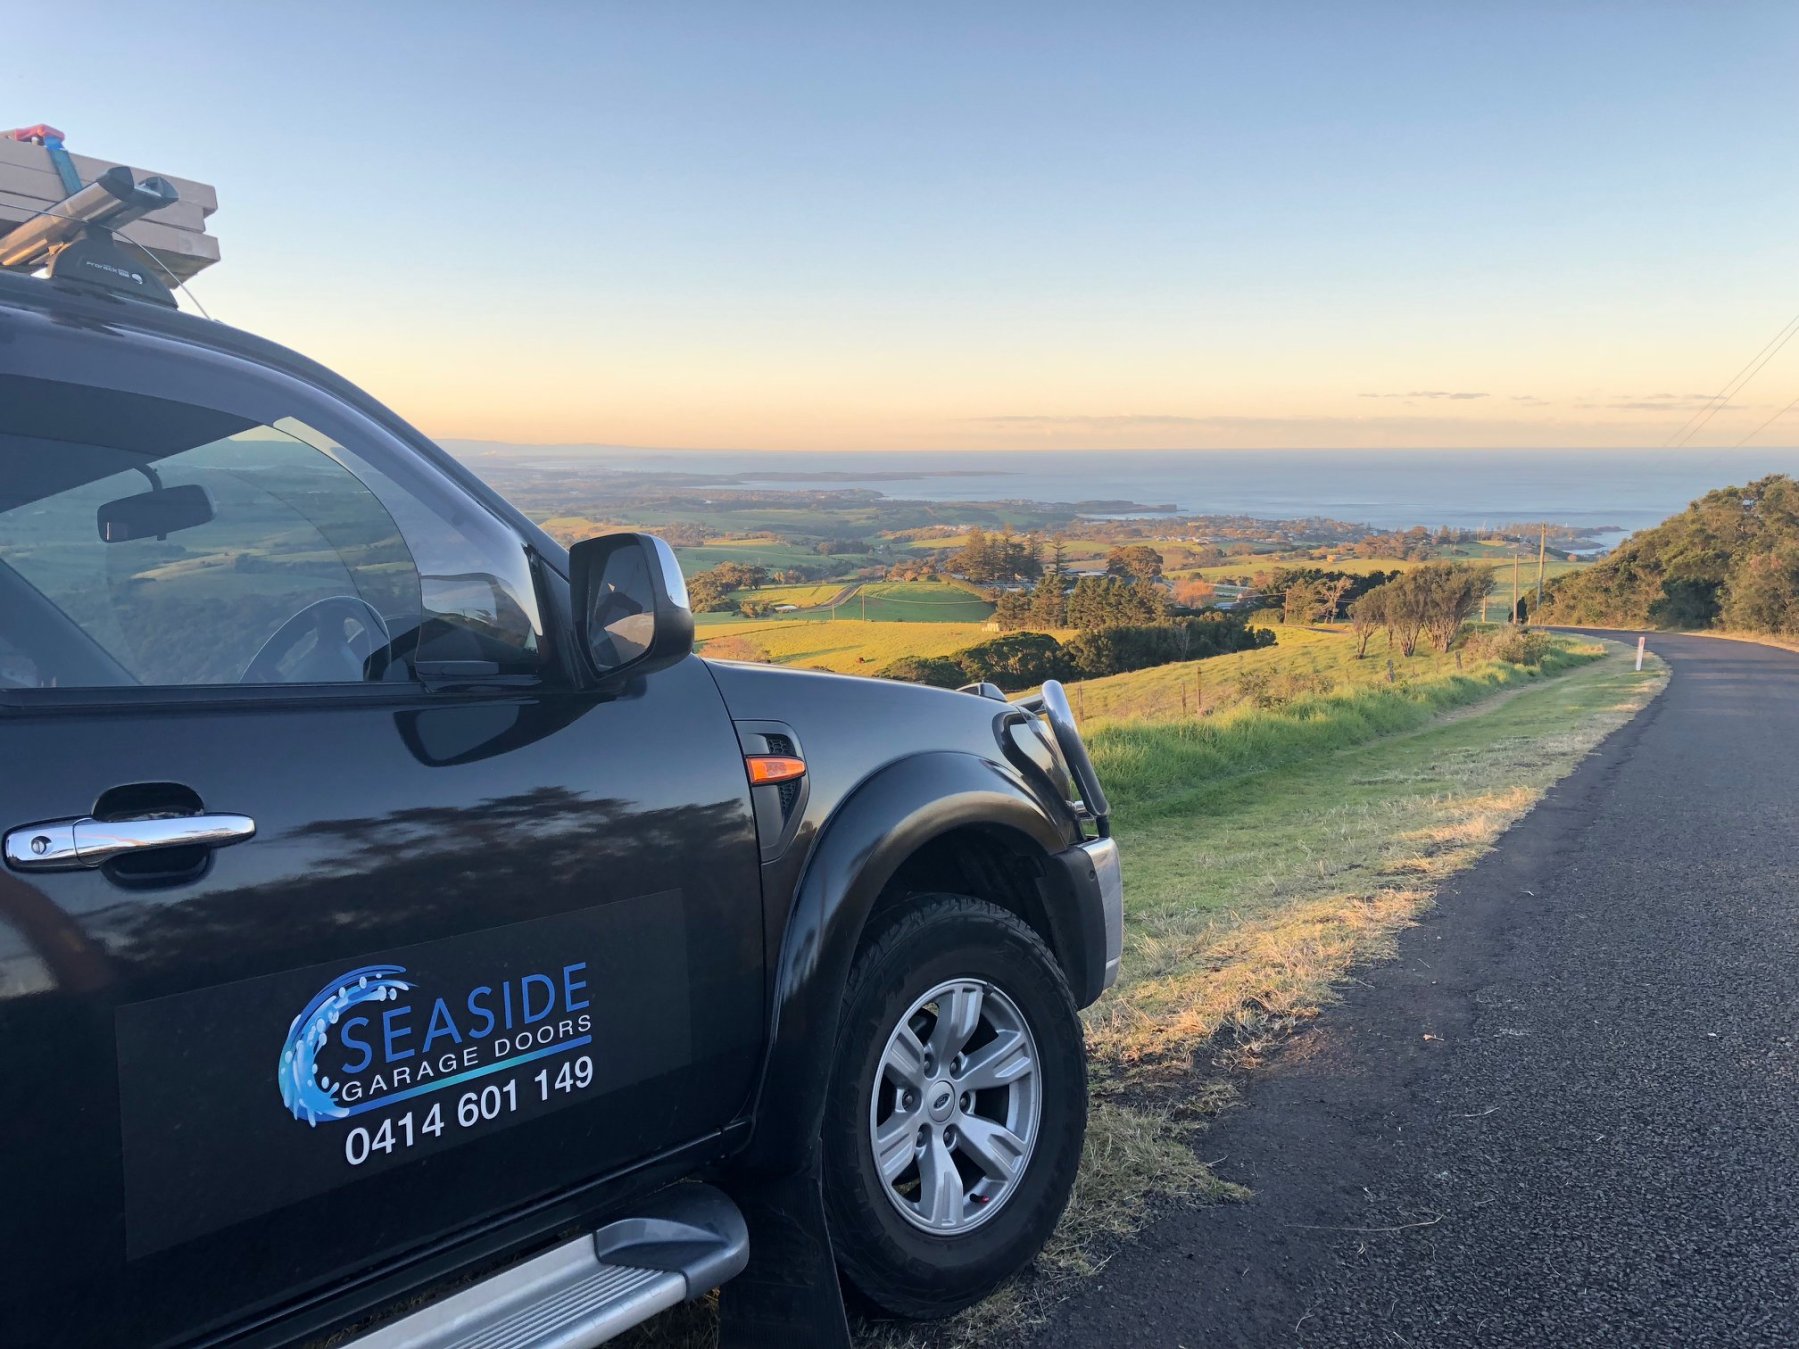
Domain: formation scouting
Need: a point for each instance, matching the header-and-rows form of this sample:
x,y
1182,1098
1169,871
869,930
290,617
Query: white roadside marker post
x,y
1641,643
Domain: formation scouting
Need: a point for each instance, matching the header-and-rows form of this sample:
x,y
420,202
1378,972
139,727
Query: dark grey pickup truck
x,y
405,939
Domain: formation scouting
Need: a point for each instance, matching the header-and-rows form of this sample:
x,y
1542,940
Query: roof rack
x,y
73,240
120,232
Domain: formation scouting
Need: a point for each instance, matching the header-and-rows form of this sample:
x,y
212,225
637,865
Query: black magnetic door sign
x,y
240,1099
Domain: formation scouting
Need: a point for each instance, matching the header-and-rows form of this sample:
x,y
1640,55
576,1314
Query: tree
x,y
942,672
1437,598
1407,610
1135,562
1012,611
1195,593
1720,560
974,560
1105,601
1367,613
1115,650
1451,594
1334,592
1302,603
1763,594
1049,606
1015,662
1089,603
996,559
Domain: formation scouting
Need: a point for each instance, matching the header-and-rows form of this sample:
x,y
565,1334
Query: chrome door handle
x,y
65,845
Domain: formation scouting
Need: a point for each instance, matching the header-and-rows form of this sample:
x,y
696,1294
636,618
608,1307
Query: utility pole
x,y
1514,617
1542,554
863,592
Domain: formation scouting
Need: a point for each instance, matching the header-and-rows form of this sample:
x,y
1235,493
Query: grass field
x,y
805,596
846,645
918,602
759,553
883,602
1302,659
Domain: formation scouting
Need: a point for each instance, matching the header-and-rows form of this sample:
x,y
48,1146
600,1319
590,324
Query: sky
x,y
764,225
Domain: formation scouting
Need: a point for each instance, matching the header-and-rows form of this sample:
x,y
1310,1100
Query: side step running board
x,y
688,1241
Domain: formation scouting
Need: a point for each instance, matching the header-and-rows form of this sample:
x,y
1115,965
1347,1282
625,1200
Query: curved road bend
x,y
1568,1114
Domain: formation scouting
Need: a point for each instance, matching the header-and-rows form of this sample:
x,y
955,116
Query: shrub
x,y
1518,646
940,672
1122,648
1017,661
1261,688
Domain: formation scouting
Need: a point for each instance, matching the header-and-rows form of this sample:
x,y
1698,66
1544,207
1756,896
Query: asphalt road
x,y
1568,1114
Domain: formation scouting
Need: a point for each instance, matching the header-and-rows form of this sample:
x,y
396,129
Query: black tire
x,y
899,1268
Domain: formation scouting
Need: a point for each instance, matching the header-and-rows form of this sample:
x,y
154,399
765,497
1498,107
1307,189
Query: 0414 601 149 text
x,y
489,1102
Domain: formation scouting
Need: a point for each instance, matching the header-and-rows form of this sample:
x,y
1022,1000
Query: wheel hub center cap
x,y
940,1100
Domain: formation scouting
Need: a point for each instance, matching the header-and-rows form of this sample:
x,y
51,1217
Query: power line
x,y
1765,425
1735,385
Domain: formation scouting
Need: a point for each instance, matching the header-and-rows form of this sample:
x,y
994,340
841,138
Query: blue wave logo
x,y
309,1096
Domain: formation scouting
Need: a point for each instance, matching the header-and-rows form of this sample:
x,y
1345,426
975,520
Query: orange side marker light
x,y
767,770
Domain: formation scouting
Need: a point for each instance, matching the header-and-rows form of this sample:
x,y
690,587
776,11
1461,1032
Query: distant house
x,y
786,608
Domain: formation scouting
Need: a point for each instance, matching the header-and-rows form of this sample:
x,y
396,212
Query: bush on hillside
x,y
1016,661
940,672
1729,560
1519,646
1265,690
1117,650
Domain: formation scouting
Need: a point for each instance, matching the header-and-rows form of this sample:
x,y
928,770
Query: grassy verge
x,y
1266,854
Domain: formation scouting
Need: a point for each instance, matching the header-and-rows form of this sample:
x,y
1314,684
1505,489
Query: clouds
x,y
1428,393
1125,421
1652,402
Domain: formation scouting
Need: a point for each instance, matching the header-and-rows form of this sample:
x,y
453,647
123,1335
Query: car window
x,y
149,542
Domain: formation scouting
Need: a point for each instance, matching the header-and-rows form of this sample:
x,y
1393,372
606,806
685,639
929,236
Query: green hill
x,y
1730,560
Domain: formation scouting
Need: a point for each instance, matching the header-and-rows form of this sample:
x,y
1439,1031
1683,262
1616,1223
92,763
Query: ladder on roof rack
x,y
73,241
59,211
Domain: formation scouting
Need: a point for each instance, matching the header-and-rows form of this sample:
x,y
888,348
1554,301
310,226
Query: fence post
x,y
1389,669
1641,643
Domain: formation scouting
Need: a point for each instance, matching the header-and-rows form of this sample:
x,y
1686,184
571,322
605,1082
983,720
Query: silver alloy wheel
x,y
955,1107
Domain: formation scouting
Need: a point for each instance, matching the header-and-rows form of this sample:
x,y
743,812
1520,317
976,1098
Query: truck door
x,y
334,919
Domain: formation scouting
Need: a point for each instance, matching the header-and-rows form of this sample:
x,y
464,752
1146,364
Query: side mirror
x,y
154,515
630,604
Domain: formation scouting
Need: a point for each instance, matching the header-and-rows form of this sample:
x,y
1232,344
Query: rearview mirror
x,y
155,514
630,604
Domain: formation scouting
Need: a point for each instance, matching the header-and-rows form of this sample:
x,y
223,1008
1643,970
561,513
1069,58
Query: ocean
x,y
1622,490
